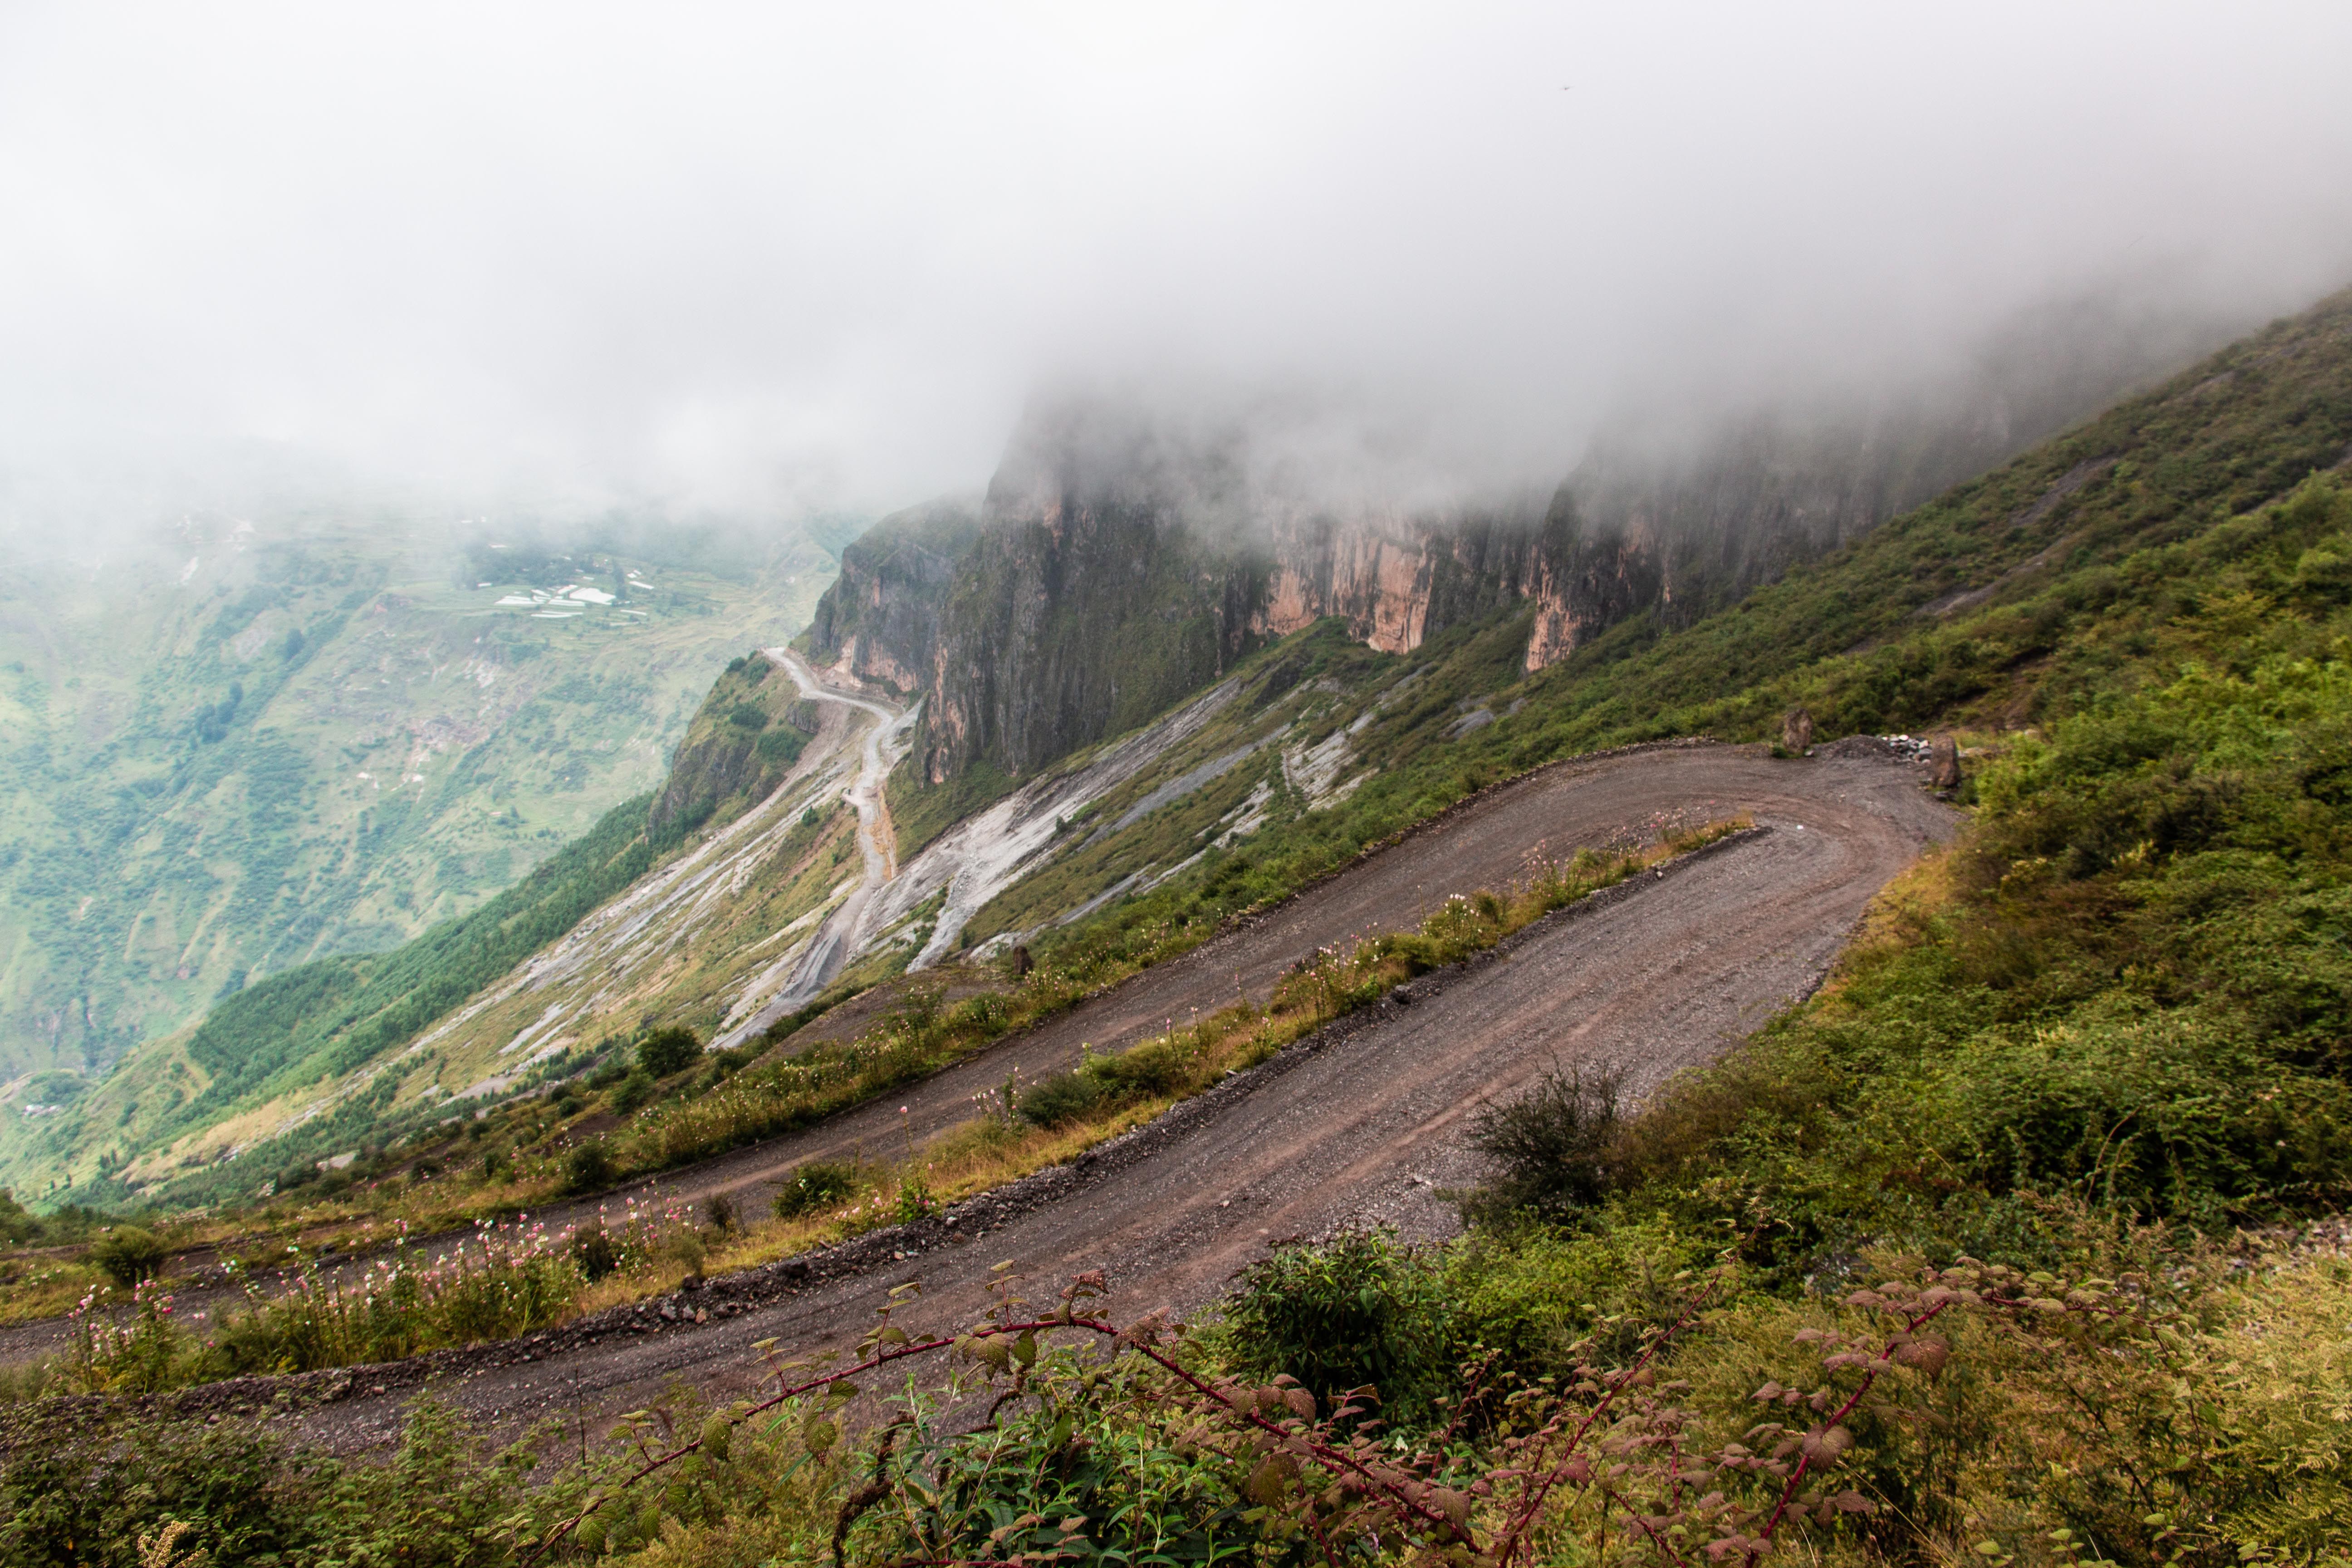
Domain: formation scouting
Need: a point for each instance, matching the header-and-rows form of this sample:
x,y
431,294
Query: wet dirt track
x,y
1357,1125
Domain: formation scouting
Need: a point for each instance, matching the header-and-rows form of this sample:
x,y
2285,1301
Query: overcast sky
x,y
766,256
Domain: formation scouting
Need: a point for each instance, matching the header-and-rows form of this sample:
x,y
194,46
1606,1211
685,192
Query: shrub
x,y
669,1050
128,1255
781,746
71,1494
594,1250
721,1212
1156,1067
1064,1096
633,1090
747,716
1554,1148
818,1184
1356,1310
588,1168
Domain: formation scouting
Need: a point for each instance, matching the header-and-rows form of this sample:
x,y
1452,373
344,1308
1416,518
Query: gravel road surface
x,y
1362,1124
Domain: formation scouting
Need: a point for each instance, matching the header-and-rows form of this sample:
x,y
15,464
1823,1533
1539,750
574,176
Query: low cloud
x,y
767,259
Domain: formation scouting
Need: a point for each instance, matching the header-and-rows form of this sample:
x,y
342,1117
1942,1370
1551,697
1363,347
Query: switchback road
x,y
1360,1124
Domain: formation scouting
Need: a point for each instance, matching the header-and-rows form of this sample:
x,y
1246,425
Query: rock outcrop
x,y
1944,763
746,737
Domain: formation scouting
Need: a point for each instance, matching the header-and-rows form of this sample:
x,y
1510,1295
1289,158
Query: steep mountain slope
x,y
1972,609
629,924
1959,610
1124,556
251,745
2104,1029
1305,750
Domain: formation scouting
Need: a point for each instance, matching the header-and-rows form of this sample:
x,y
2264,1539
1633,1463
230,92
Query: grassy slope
x,y
1842,636
306,1064
403,747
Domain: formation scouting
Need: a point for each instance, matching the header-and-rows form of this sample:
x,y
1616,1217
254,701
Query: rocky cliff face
x,y
1118,562
1110,570
881,618
1089,591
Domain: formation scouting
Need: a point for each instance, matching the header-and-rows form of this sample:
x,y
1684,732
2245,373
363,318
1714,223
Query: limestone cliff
x,y
1089,590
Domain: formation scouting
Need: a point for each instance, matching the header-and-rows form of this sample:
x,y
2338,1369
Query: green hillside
x,y
246,745
2021,1242
2017,598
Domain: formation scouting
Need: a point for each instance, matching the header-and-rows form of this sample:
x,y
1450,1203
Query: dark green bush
x,y
669,1050
588,1168
721,1213
781,746
1153,1068
596,1254
633,1090
1356,1310
71,1497
818,1184
747,716
128,1255
1064,1096
1554,1149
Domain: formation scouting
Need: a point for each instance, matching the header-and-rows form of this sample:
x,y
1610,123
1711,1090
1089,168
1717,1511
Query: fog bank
x,y
761,261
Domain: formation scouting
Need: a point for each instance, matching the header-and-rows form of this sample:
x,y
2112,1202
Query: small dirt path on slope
x,y
1361,1127
875,841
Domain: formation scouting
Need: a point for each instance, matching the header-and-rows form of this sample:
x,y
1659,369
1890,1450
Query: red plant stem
x,y
883,1358
1324,1455
1330,1458
1537,1494
1669,1552
1804,1461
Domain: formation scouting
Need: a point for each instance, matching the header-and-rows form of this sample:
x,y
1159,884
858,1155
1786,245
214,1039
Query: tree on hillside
x,y
669,1050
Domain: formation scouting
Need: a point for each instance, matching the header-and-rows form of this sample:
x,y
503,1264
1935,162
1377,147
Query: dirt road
x,y
1875,804
1360,1124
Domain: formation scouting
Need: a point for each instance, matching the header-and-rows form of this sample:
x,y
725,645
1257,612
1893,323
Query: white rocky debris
x,y
987,853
